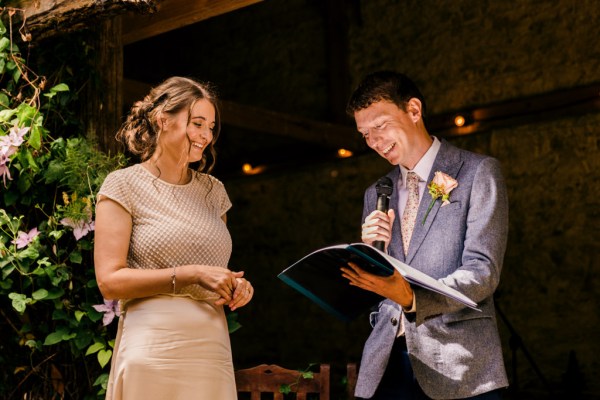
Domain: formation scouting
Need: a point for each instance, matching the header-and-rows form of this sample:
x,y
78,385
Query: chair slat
x,y
269,379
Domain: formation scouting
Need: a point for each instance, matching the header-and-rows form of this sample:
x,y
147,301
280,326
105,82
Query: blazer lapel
x,y
446,161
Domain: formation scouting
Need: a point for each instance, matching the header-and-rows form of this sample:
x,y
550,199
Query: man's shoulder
x,y
452,154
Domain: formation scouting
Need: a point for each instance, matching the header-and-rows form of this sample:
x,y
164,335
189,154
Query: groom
x,y
448,218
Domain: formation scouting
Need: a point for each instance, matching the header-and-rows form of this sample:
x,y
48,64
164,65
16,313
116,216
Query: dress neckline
x,y
157,178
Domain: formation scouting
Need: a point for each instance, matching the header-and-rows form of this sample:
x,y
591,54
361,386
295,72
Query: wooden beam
x,y
542,107
45,18
257,119
174,14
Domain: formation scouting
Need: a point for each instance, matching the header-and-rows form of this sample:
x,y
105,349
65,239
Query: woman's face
x,y
199,129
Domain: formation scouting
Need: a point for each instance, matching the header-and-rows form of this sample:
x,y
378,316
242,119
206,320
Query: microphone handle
x,y
383,204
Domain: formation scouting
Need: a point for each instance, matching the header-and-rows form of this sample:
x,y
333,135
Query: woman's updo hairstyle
x,y
140,131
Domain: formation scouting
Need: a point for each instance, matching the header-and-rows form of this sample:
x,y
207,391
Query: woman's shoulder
x,y
122,177
207,179
130,173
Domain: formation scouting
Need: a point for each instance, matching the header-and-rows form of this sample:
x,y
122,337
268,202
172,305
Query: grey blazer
x,y
455,351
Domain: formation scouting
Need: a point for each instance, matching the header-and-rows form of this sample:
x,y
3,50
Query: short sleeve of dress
x,y
116,188
221,197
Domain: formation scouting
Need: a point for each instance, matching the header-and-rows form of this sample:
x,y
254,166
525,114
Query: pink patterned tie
x,y
410,211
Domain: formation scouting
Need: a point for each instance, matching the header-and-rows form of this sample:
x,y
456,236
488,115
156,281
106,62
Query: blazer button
x,y
394,321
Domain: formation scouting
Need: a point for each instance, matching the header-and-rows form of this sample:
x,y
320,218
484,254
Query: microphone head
x,y
384,186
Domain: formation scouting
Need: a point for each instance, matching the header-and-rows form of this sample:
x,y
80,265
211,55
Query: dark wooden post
x,y
102,99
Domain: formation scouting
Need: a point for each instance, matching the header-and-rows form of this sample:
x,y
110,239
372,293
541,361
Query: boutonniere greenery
x,y
440,187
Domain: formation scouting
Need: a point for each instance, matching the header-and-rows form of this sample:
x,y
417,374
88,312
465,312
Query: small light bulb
x,y
248,169
459,120
343,153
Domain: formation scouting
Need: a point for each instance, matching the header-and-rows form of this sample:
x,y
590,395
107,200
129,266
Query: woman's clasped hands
x,y
234,290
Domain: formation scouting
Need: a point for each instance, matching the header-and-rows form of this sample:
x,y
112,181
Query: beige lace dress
x,y
172,346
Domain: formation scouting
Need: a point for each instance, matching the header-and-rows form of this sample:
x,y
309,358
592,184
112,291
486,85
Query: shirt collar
x,y
423,167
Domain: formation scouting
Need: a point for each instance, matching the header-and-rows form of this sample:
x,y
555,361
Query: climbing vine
x,y
55,328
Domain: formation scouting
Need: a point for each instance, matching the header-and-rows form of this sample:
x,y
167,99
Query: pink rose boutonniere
x,y
440,187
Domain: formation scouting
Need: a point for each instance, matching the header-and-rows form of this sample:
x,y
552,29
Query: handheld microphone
x,y
384,189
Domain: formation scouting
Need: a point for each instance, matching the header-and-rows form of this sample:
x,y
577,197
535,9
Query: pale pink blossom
x,y
8,146
110,308
24,239
80,228
4,170
10,142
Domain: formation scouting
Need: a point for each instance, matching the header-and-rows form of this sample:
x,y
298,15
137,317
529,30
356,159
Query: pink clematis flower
x,y
110,308
80,228
8,147
25,238
4,171
10,142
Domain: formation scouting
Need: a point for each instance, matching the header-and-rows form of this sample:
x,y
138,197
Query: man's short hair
x,y
390,86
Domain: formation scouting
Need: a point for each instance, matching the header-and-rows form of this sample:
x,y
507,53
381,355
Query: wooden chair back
x,y
351,376
270,379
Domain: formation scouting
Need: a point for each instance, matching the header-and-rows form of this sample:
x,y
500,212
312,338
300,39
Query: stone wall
x,y
468,53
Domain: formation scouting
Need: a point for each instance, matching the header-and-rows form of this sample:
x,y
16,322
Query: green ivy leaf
x,y
232,323
285,389
16,75
35,137
104,357
75,257
56,234
43,262
55,293
40,294
19,301
102,380
307,375
57,336
9,267
6,284
94,315
4,101
78,315
26,114
83,339
94,348
33,344
61,87
29,252
6,115
4,43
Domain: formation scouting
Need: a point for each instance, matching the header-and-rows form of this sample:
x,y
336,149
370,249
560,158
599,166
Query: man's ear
x,y
414,109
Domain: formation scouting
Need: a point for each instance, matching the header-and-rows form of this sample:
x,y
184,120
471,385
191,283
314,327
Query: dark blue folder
x,y
318,277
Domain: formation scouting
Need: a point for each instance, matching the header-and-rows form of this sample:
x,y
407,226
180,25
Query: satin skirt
x,y
173,348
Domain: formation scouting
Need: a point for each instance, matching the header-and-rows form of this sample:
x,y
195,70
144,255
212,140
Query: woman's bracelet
x,y
174,277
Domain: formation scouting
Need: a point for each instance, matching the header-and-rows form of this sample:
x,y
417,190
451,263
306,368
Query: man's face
x,y
389,130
